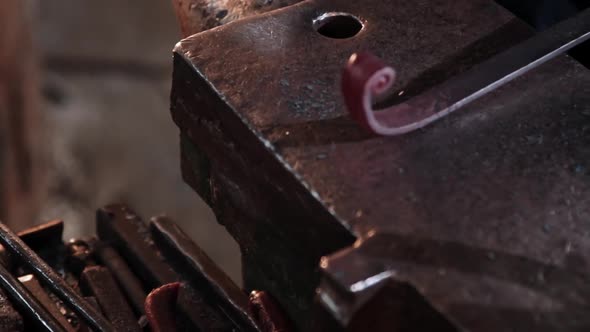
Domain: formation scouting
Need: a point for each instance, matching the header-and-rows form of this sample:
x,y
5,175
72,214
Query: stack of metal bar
x,y
103,283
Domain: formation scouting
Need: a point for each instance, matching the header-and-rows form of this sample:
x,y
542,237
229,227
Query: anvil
x,y
479,222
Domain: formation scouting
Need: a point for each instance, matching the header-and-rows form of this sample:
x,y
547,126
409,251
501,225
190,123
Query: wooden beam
x,y
19,117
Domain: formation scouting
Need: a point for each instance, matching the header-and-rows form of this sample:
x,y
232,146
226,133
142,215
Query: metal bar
x,y
193,263
36,290
130,284
99,282
124,230
52,280
366,77
196,311
27,302
195,16
45,234
202,272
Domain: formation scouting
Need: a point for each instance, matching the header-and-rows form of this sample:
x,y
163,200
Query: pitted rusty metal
x,y
199,15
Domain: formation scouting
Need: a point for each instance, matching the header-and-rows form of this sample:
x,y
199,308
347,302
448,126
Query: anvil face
x,y
483,215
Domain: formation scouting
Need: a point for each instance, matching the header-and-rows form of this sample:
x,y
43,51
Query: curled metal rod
x,y
366,77
51,279
26,302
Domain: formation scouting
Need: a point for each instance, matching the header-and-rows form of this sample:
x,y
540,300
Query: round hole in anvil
x,y
337,25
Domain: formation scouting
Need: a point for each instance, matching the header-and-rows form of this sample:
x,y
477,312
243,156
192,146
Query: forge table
x,y
479,222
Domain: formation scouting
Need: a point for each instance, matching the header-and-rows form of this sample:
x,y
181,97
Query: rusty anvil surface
x,y
484,215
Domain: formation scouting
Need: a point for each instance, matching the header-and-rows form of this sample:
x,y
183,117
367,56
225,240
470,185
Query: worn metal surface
x,y
199,15
48,234
484,215
395,307
39,238
97,281
10,319
125,231
130,284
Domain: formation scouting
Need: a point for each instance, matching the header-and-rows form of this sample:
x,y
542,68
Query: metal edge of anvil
x,y
180,51
243,126
205,185
217,186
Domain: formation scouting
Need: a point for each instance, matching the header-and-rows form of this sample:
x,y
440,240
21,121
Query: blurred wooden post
x,y
195,16
19,117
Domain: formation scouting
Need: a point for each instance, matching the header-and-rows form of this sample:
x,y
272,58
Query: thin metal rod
x,y
27,303
51,279
366,77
